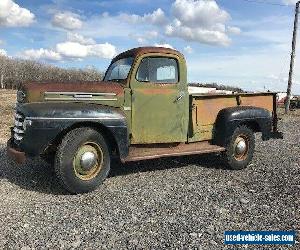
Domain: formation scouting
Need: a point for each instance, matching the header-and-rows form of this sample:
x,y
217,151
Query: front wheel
x,y
240,148
82,160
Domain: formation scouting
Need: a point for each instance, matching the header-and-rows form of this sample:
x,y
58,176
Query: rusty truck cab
x,y
156,95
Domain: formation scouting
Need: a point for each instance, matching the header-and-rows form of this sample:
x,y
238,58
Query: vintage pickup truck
x,y
141,110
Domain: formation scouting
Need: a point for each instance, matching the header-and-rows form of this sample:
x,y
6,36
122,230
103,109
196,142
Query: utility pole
x,y
288,92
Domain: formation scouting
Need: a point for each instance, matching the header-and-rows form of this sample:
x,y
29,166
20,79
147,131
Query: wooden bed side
x,y
205,109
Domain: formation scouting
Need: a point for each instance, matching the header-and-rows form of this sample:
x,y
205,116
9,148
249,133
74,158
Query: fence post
x,y
1,81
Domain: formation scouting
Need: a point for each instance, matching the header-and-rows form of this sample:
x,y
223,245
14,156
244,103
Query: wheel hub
x,y
88,161
241,147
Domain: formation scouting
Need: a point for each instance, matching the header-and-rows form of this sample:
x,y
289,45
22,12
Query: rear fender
x,y
228,119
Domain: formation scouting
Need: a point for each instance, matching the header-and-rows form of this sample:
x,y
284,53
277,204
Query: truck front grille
x,y
18,130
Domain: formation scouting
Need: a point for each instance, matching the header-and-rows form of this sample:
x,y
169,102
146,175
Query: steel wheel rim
x,y
241,147
82,171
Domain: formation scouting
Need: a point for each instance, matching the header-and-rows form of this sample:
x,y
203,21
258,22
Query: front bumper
x,y
276,135
272,135
17,156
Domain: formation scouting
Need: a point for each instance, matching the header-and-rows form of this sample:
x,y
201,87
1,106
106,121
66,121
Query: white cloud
x,y
199,20
41,54
188,49
211,37
75,37
12,15
151,34
77,50
144,38
3,52
105,50
157,17
67,20
199,13
234,30
290,2
72,49
141,40
165,45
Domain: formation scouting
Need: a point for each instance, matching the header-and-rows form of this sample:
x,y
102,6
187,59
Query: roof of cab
x,y
143,50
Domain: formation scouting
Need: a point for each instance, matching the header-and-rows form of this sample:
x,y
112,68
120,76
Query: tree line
x,y
14,72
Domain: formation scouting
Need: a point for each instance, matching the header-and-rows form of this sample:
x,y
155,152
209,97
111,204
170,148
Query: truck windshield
x,y
119,70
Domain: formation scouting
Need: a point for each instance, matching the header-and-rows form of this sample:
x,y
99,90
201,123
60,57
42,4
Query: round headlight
x,y
21,96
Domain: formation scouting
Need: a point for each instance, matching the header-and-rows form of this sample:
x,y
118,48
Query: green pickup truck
x,y
141,110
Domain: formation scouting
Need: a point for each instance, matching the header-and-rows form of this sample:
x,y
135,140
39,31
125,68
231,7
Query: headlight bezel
x,y
21,96
27,123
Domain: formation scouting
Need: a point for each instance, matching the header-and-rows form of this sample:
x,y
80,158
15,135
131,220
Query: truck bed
x,y
205,108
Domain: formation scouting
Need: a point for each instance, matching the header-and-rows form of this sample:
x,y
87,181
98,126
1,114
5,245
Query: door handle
x,y
178,98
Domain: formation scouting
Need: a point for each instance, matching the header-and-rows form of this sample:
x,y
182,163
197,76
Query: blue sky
x,y
233,42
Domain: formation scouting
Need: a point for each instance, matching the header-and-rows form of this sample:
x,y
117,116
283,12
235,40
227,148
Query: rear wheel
x,y
82,160
240,148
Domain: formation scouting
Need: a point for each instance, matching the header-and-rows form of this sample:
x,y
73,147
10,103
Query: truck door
x,y
159,100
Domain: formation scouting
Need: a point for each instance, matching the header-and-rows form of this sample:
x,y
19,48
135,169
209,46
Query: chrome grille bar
x,y
18,130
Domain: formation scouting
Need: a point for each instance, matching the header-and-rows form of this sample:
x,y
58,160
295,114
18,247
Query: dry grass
x,y
8,100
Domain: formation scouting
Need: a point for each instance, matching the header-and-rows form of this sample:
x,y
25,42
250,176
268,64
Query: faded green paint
x,y
157,116
126,107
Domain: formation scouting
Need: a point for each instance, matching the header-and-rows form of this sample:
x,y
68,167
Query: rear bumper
x,y
17,156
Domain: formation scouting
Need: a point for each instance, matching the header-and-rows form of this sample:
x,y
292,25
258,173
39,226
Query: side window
x,y
120,72
158,70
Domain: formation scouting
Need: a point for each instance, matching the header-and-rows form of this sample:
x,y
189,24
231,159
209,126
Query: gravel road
x,y
185,202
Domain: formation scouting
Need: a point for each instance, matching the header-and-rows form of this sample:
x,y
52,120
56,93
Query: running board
x,y
153,151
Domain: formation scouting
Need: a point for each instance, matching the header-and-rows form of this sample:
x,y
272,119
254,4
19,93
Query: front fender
x,y
50,120
228,119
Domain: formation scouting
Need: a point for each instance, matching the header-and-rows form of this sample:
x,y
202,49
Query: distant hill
x,y
218,86
14,72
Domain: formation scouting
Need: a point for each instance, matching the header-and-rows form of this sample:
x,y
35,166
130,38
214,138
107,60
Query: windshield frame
x,y
112,63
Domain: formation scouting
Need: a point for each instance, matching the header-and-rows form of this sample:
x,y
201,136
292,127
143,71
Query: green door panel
x,y
159,111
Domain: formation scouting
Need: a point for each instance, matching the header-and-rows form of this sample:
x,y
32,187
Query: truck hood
x,y
106,93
